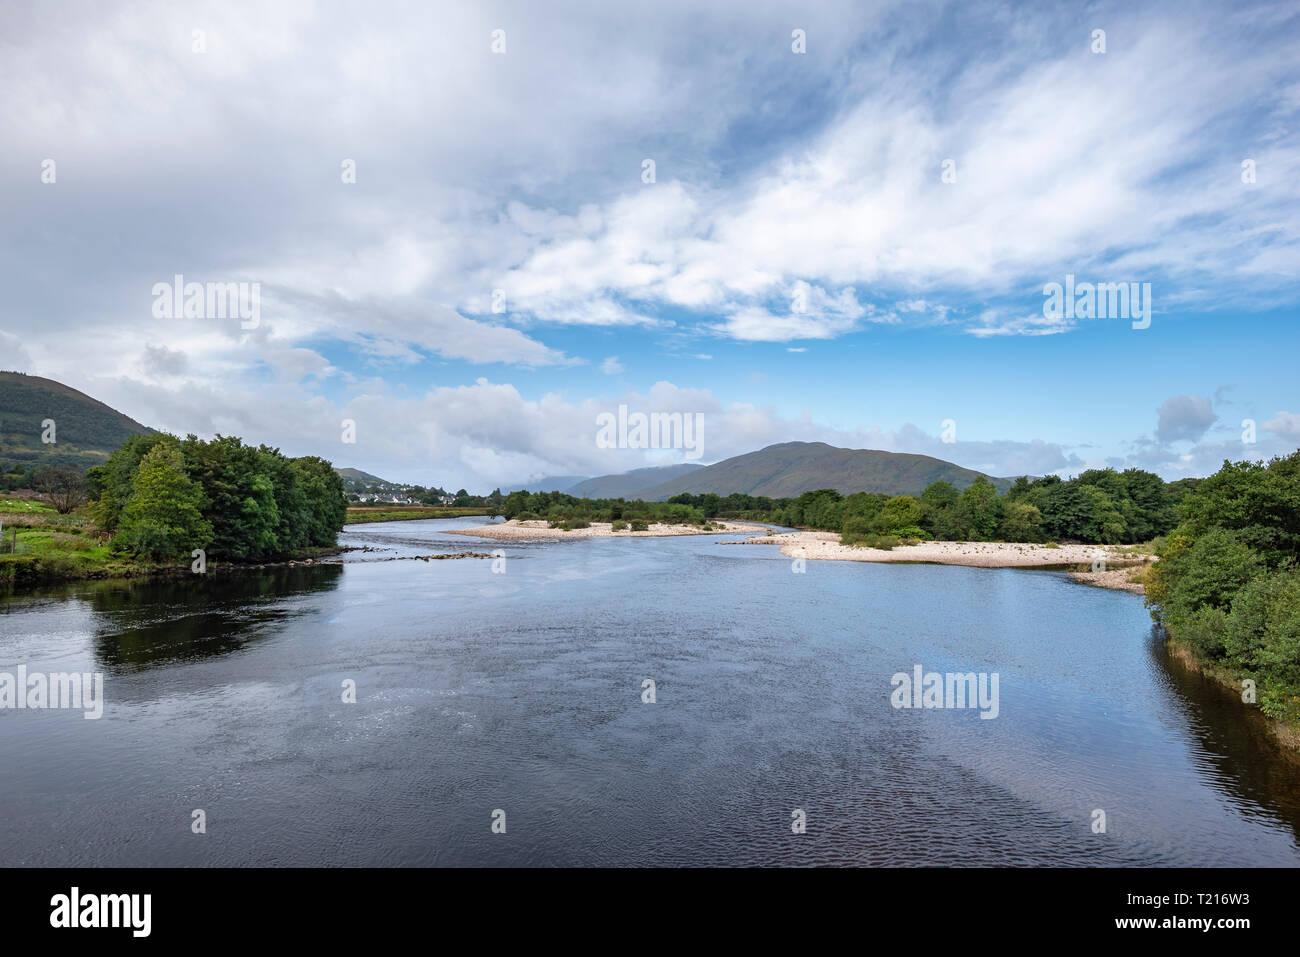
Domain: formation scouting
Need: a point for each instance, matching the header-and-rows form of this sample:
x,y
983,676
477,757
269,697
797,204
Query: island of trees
x,y
159,497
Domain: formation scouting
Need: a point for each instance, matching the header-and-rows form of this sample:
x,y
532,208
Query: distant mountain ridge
x,y
792,468
86,431
631,484
547,483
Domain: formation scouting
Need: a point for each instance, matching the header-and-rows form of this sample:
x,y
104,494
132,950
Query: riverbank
x,y
34,571
1117,570
515,530
1283,731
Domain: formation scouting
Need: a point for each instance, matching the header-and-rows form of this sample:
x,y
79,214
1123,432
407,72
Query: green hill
x,y
792,468
357,479
85,429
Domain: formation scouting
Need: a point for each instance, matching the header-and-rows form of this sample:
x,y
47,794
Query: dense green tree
x,y
110,483
162,518
979,510
1021,522
901,515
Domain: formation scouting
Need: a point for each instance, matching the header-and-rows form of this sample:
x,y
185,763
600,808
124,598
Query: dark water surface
x,y
522,691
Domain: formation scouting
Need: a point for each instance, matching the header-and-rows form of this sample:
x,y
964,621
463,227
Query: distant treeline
x,y
559,508
1097,506
160,497
1227,585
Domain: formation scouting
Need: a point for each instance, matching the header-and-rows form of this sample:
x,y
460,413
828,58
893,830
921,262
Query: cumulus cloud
x,y
1285,424
1184,417
798,198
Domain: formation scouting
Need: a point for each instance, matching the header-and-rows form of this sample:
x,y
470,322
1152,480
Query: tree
x,y
979,509
901,515
111,482
163,516
63,486
326,506
1021,522
1105,523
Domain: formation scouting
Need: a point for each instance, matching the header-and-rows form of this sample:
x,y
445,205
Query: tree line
x,y
1100,506
1227,585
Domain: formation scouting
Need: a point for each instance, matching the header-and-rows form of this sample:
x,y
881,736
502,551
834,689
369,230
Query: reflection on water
x,y
150,623
521,690
1234,740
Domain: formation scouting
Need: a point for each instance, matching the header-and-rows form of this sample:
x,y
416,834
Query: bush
x,y
1263,630
639,525
856,528
1204,632
146,539
1208,572
619,525
913,532
869,540
527,517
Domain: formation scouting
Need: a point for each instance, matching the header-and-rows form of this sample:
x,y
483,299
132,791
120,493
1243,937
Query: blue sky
x,y
799,268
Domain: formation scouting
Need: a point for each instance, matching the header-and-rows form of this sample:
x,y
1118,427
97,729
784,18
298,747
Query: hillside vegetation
x,y
85,430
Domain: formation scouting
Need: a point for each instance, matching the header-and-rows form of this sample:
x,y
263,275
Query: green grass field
x,y
400,513
22,506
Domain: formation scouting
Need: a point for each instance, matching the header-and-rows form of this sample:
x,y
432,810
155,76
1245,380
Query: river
x,y
518,687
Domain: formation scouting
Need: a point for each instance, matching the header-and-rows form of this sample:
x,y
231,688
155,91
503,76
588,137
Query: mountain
x,y
354,479
631,484
549,483
792,468
85,432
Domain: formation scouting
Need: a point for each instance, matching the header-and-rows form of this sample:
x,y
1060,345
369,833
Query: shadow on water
x,y
1233,739
141,624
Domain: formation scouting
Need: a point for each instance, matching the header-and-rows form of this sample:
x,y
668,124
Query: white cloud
x,y
1184,417
1285,424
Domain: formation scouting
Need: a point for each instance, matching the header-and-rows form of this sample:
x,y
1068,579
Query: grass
x,y
55,548
23,506
359,515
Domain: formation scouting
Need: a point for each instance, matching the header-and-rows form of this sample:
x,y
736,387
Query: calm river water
x,y
521,690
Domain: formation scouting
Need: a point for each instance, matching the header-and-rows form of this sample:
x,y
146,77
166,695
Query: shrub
x,y
1263,630
619,525
913,532
1204,631
146,539
869,540
856,528
1209,572
639,525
